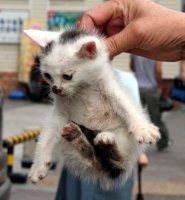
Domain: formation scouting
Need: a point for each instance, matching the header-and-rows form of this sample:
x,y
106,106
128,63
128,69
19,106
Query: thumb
x,y
121,42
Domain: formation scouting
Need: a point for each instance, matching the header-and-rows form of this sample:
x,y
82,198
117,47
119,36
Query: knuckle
x,y
138,31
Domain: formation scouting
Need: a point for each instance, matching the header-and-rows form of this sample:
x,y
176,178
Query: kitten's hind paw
x,y
71,131
148,134
104,138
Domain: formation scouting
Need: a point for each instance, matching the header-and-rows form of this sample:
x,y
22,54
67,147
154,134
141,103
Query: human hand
x,y
182,71
143,160
142,28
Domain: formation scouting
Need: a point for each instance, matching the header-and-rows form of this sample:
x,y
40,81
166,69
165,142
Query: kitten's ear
x,y
41,37
88,50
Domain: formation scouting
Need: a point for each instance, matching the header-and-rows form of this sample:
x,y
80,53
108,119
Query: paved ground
x,y
28,192
166,172
157,197
163,179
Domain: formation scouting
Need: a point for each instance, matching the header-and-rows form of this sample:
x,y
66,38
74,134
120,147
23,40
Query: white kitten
x,y
87,91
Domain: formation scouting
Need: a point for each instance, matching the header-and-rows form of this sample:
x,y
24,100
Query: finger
x,y
99,15
114,26
121,42
86,21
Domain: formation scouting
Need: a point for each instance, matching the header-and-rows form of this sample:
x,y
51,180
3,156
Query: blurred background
x,y
25,102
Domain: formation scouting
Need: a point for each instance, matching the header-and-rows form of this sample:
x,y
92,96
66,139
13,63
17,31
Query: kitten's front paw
x,y
148,134
38,172
104,138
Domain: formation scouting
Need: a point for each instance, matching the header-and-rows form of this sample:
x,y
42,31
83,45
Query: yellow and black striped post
x,y
9,143
10,159
20,138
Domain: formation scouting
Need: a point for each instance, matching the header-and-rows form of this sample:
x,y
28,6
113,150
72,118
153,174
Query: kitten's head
x,y
70,59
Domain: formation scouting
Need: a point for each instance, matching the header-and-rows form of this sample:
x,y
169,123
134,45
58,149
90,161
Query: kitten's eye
x,y
47,76
67,77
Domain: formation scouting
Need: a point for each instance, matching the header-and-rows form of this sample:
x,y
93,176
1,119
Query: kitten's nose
x,y
56,90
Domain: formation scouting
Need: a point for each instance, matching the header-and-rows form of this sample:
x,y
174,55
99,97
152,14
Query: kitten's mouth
x,y
63,95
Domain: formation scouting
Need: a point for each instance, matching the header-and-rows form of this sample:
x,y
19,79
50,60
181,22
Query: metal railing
x,y
9,144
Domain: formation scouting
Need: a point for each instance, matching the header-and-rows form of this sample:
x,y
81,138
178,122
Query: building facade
x,y
38,9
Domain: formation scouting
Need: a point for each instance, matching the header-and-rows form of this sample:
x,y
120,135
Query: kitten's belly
x,y
94,112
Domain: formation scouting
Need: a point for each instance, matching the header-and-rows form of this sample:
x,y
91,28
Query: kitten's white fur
x,y
87,106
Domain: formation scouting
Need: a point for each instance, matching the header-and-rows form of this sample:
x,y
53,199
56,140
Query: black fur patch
x,y
48,48
89,134
71,35
107,155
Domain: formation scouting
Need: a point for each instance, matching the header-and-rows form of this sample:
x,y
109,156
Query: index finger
x,y
98,16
